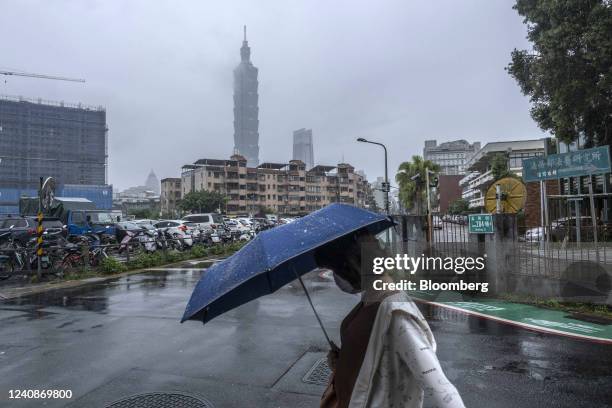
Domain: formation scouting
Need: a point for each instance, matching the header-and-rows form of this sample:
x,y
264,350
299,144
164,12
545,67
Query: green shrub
x,y
199,251
112,265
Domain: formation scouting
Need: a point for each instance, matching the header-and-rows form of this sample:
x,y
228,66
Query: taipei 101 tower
x,y
246,110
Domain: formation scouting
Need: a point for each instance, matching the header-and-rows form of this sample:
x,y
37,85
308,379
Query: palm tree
x,y
413,193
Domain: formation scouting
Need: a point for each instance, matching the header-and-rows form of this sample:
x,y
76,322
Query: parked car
x,y
436,222
262,224
124,227
533,235
567,228
178,230
205,220
24,228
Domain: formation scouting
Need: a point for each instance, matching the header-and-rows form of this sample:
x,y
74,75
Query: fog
x,y
398,72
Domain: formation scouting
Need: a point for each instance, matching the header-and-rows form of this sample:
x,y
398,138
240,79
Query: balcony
x,y
477,202
468,194
480,181
469,177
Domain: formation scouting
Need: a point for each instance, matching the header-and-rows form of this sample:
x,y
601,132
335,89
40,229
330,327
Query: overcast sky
x,y
398,72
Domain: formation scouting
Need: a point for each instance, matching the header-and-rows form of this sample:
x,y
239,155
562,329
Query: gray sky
x,y
398,72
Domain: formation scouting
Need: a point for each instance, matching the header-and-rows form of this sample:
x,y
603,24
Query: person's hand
x,y
332,356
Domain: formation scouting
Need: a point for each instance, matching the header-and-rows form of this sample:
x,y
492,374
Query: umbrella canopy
x,y
274,258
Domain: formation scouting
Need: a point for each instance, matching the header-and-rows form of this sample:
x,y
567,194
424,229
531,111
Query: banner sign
x,y
572,164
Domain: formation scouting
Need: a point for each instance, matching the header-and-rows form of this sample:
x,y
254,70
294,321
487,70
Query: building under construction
x,y
41,138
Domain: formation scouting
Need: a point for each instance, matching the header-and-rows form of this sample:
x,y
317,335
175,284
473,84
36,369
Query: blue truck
x,y
80,215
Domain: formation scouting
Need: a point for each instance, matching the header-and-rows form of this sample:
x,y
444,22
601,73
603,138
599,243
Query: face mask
x,y
344,285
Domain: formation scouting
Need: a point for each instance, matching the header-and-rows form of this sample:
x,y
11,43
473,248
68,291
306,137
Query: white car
x,y
534,234
436,222
177,229
287,220
210,220
239,230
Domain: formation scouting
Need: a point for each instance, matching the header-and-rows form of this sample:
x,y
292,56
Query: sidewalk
x,y
10,291
523,315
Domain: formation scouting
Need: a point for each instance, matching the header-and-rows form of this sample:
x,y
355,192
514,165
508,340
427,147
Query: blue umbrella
x,y
274,258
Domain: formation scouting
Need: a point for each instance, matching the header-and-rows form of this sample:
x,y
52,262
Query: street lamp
x,y
386,186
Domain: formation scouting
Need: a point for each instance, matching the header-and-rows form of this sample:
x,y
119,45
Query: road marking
x,y
560,325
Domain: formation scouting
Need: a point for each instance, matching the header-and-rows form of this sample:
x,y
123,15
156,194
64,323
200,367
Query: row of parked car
x,y
63,247
570,229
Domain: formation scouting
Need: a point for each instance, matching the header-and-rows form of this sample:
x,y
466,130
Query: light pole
x,y
386,187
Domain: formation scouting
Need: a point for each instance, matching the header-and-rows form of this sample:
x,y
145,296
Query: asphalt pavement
x,y
112,340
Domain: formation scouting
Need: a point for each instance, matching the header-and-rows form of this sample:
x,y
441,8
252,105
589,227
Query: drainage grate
x,y
319,373
161,400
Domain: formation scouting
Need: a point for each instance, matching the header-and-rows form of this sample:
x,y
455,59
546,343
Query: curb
x,y
16,292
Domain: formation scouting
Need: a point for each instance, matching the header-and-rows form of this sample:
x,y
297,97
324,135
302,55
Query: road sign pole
x,y
39,229
429,218
546,219
498,194
593,218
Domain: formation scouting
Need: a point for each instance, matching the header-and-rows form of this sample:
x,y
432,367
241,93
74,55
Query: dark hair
x,y
334,256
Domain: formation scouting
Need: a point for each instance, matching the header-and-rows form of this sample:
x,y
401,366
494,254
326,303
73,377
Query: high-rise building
x,y
152,183
302,147
246,110
450,156
52,139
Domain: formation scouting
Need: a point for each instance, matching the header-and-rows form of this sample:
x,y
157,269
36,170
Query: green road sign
x,y
480,224
573,164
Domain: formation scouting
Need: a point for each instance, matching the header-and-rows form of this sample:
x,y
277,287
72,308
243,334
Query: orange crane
x,y
41,76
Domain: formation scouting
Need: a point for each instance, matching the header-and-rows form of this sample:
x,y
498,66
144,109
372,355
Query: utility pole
x,y
386,187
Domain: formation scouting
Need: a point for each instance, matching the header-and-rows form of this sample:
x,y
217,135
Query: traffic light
x,y
433,181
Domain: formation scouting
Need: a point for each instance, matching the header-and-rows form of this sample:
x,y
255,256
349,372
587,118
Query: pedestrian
x,y
388,352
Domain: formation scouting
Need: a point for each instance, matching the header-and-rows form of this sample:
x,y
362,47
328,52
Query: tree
x,y
499,166
568,75
370,200
144,213
459,206
413,194
262,211
202,201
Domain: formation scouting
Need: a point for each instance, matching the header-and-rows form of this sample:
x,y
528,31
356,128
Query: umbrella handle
x,y
331,343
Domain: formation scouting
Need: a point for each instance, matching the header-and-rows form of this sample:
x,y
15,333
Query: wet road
x,y
119,338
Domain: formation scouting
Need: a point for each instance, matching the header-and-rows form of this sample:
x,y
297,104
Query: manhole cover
x,y
319,373
161,400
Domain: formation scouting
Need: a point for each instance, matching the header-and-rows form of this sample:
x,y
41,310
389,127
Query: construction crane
x,y
42,76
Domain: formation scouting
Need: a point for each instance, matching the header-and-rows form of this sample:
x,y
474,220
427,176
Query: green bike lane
x,y
522,315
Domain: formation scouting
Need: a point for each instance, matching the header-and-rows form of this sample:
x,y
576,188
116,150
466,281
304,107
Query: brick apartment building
x,y
284,188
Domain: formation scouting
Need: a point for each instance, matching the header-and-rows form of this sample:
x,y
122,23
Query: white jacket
x,y
400,365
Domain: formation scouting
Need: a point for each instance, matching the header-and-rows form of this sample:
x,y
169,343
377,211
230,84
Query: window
x,y
197,218
15,223
78,218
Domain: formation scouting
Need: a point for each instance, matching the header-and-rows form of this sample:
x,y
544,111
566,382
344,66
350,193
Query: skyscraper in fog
x,y
152,183
246,110
302,147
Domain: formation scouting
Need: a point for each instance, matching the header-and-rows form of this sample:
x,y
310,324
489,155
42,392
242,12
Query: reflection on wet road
x,y
121,337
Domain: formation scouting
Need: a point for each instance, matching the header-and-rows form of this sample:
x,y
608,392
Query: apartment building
x,y
284,188
170,195
479,175
452,157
